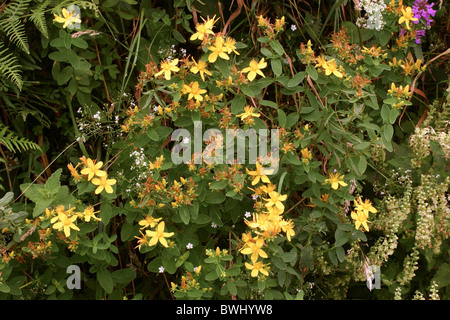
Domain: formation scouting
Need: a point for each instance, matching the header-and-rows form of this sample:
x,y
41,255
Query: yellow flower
x,y
256,268
255,68
288,228
193,90
167,67
258,175
261,21
306,155
66,223
321,62
218,50
149,221
73,172
89,213
407,16
248,115
279,23
365,206
275,200
68,18
93,169
200,67
157,163
104,183
159,235
203,29
229,45
330,67
335,180
360,219
141,240
254,248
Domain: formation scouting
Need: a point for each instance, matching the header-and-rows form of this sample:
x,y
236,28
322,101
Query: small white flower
x,y
161,269
189,246
248,214
255,196
293,27
213,225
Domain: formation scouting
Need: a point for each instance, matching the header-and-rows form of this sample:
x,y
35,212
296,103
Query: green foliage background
x,y
64,96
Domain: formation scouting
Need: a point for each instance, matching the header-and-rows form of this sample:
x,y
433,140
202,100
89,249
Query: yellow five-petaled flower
x,y
193,91
256,268
330,67
66,223
360,219
275,200
258,174
407,16
167,67
68,18
159,235
200,67
335,180
93,169
218,50
255,68
104,183
203,29
254,248
365,206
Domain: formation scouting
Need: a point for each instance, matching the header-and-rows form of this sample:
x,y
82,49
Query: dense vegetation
x,y
98,97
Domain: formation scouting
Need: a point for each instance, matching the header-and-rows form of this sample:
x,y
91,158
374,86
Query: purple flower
x,y
422,9
419,34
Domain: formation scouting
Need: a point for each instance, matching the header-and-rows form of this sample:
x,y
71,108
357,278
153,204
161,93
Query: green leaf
x,y
298,77
178,36
238,103
291,119
281,118
362,164
277,68
152,134
214,198
340,253
341,237
277,47
105,280
306,257
184,214
231,287
124,276
312,72
53,182
388,131
105,212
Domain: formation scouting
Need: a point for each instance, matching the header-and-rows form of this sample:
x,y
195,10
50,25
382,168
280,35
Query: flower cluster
x,y
155,236
65,220
92,172
267,222
362,212
373,18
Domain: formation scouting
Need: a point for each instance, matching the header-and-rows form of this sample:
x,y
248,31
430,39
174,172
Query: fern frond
x,y
38,17
11,23
10,68
14,143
